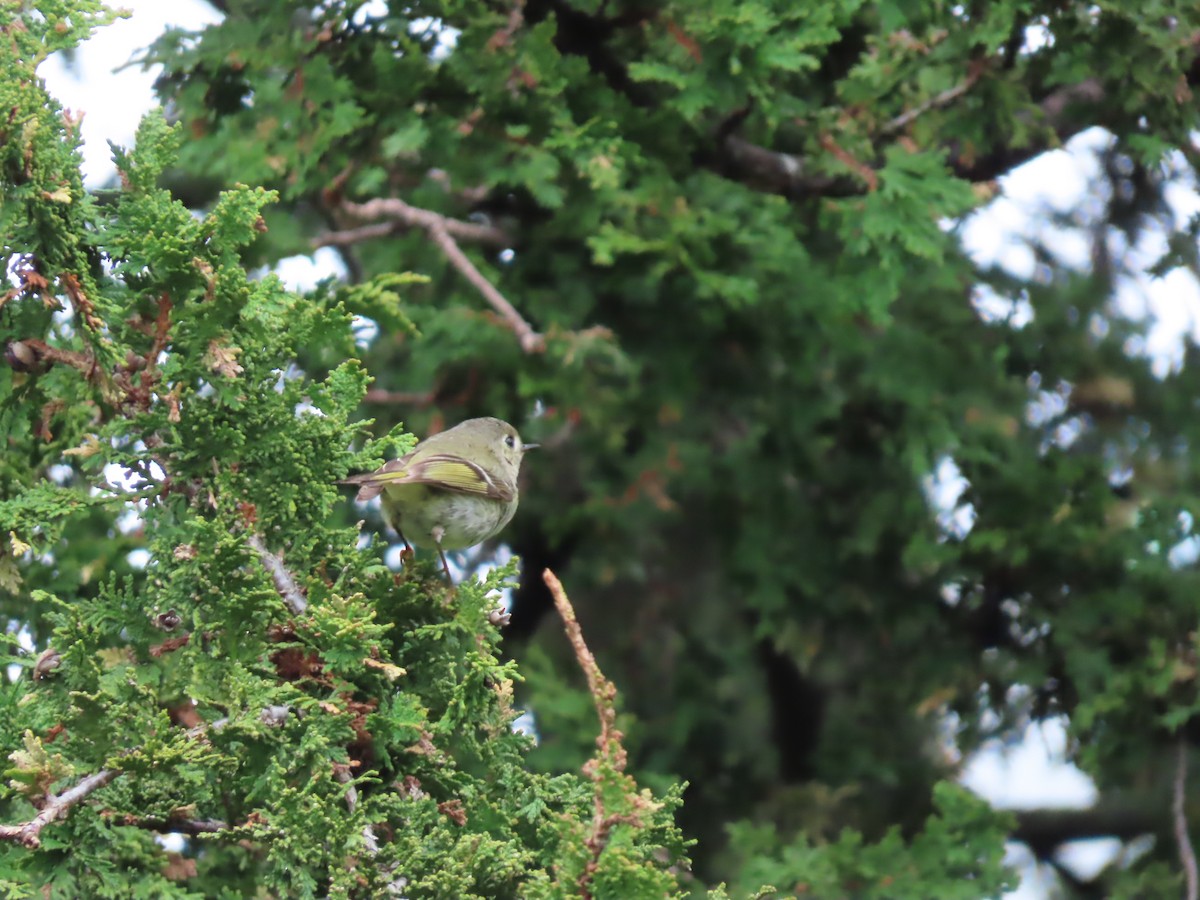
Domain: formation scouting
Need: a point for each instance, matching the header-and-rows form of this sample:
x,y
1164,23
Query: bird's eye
x,y
510,441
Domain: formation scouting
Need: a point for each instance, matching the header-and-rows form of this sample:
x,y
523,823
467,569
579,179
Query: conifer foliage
x,y
708,255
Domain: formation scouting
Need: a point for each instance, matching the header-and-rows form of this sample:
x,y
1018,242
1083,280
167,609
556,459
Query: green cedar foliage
x,y
734,225
252,674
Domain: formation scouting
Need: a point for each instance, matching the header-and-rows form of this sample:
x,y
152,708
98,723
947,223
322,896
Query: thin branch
x,y
938,101
396,210
604,695
349,236
603,691
530,340
285,582
445,232
190,827
1187,856
28,833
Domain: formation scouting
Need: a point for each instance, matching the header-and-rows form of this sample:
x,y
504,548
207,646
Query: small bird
x,y
454,489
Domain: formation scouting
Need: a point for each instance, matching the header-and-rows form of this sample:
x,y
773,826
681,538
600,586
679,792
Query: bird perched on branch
x,y
454,489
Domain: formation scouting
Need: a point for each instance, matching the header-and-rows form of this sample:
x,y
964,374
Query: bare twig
x,y
603,691
445,232
396,210
177,826
348,236
1187,856
530,340
285,582
938,101
611,751
28,833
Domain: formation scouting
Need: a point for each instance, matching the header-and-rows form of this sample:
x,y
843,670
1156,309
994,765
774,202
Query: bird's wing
x,y
373,483
450,473
453,473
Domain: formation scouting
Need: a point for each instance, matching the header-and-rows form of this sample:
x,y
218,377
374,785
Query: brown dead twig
x,y
445,232
603,691
80,300
611,752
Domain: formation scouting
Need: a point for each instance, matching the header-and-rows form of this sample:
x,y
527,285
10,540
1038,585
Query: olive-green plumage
x,y
454,489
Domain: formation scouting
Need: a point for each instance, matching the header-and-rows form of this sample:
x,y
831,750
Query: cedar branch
x,y
938,101
395,210
530,340
28,833
56,805
177,826
285,582
446,233
348,236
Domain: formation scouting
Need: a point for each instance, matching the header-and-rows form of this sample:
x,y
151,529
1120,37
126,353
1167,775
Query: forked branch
x,y
446,232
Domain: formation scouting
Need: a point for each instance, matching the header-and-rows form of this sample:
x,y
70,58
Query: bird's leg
x,y
437,533
406,555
